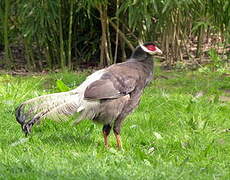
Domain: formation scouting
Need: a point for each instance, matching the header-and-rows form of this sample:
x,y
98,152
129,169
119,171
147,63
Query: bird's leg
x,y
106,130
118,139
117,130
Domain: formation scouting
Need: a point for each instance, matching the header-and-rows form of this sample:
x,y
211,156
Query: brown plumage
x,y
107,96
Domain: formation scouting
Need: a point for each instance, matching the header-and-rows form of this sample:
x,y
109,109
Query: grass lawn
x,y
176,133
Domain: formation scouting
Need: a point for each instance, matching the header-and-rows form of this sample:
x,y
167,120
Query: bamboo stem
x,y
30,61
104,56
6,40
122,35
198,50
117,33
110,60
70,34
62,52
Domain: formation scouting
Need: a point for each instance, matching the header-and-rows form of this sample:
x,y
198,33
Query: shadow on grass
x,y
67,138
26,171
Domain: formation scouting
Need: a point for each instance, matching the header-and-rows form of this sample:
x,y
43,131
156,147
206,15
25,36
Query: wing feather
x,y
110,86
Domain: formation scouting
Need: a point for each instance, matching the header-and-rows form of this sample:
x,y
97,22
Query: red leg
x,y
117,132
118,139
106,141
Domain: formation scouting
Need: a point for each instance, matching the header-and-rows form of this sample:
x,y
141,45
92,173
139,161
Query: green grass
x,y
172,134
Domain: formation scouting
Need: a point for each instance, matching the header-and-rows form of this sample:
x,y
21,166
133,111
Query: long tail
x,y
58,106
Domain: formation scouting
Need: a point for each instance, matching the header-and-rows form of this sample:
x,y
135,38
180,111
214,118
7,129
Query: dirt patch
x,y
224,98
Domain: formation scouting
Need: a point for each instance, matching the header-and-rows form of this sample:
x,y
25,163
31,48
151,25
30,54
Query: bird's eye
x,y
151,47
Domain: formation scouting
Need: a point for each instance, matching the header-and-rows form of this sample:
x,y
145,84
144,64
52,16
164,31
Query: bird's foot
x,y
120,148
106,144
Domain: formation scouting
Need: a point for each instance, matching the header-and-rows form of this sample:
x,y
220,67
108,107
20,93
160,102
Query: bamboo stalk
x,y
122,45
110,60
198,50
29,60
117,33
6,40
104,56
70,34
39,48
48,58
62,52
122,35
103,36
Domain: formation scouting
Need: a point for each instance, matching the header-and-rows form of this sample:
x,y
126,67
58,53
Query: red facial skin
x,y
151,47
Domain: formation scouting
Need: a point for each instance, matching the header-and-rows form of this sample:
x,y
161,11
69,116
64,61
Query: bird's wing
x,y
110,86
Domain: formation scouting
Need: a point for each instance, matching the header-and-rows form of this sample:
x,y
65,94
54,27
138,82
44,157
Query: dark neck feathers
x,y
140,55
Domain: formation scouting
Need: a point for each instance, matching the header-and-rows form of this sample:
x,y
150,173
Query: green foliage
x,y
179,131
61,86
214,57
58,33
217,64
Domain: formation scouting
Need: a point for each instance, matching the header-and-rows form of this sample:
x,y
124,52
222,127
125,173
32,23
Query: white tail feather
x,y
55,106
59,106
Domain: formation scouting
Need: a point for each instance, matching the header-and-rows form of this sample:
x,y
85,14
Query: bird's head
x,y
145,50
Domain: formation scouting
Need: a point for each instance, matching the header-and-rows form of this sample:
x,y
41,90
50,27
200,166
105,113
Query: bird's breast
x,y
110,109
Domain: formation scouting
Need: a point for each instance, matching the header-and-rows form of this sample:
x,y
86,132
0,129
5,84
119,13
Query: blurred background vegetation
x,y
37,35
